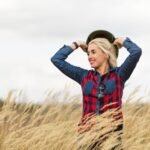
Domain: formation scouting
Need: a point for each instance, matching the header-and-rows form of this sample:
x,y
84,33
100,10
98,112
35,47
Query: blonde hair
x,y
107,48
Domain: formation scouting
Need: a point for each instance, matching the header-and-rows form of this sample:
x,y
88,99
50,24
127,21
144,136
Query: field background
x,y
53,125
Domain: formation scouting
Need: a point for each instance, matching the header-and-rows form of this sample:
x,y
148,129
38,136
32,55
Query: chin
x,y
94,67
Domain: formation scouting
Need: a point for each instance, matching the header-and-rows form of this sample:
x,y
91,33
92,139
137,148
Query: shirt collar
x,y
110,69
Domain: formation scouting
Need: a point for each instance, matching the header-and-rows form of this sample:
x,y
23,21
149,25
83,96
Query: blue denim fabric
x,y
77,73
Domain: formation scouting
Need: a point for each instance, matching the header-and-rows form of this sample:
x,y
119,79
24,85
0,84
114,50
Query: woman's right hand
x,y
82,45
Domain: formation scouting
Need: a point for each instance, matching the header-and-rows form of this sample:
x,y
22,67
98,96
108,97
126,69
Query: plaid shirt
x,y
89,80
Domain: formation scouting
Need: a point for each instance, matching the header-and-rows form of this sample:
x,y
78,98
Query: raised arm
x,y
74,72
126,69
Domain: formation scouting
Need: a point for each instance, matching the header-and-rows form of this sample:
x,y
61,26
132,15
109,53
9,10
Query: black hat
x,y
102,34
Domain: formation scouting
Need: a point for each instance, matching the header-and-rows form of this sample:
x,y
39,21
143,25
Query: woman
x,y
102,86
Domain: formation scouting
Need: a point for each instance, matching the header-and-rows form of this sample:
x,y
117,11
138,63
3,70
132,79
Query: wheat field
x,y
53,125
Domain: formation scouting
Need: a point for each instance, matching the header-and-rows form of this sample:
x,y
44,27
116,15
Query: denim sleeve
x,y
126,69
74,72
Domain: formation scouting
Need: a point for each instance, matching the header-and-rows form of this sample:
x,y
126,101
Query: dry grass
x,y
53,126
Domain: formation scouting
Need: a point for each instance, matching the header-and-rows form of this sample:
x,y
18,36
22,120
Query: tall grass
x,y
54,126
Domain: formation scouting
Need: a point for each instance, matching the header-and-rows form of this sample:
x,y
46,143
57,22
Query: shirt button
x,y
100,96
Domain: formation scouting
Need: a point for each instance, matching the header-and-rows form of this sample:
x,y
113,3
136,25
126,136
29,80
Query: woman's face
x,y
96,56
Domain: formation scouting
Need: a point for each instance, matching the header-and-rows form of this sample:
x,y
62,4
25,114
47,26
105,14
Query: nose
x,y
89,57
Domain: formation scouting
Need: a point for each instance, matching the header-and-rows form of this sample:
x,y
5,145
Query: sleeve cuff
x,y
126,41
68,47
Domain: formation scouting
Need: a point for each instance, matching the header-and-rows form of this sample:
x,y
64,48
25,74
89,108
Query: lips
x,y
91,62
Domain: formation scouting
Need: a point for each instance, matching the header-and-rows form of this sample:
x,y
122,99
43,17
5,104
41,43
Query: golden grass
x,y
54,125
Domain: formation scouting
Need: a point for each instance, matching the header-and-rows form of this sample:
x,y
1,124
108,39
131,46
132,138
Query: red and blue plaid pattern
x,y
91,103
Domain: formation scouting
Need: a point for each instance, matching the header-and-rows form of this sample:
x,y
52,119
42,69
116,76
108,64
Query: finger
x,y
84,49
116,40
83,46
118,45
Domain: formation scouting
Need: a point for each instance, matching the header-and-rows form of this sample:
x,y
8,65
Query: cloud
x,y
32,30
75,18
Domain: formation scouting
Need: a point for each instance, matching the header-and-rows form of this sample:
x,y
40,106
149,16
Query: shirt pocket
x,y
87,89
110,86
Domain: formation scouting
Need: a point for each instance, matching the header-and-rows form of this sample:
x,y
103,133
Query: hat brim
x,y
102,34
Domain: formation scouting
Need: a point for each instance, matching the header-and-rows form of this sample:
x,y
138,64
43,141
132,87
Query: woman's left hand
x,y
119,42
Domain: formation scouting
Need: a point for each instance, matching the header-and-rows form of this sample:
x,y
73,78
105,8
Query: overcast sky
x,y
31,31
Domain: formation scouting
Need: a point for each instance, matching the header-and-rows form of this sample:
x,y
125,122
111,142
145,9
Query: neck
x,y
103,69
